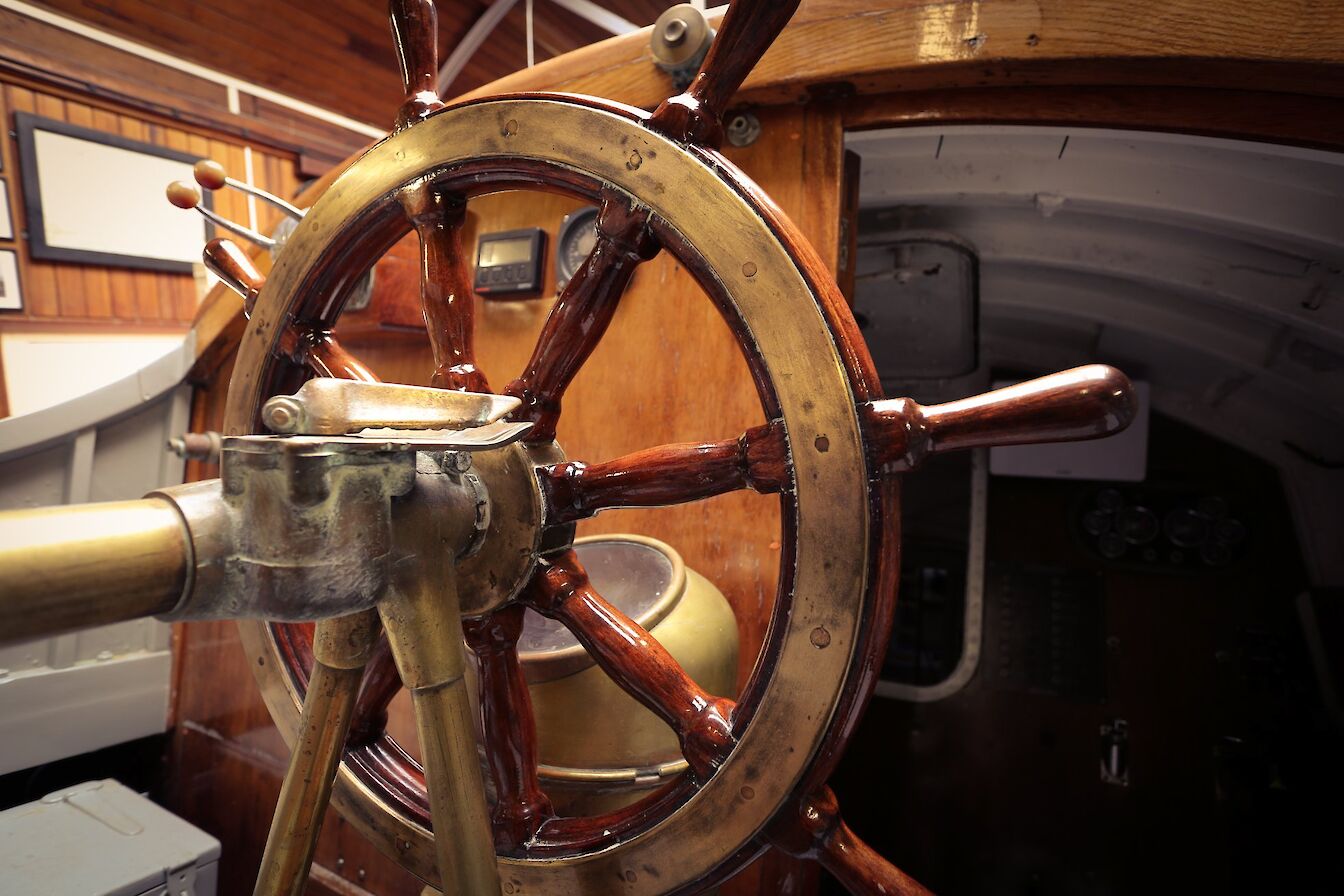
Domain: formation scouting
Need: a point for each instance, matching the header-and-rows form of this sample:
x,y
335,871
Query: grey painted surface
x,y
82,691
1210,268
101,838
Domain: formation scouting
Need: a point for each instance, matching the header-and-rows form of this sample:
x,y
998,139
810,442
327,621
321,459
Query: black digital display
x,y
510,262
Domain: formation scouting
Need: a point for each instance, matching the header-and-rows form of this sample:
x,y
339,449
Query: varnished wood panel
x,y
836,48
345,60
64,62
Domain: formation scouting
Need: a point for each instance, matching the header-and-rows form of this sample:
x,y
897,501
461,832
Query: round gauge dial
x,y
577,236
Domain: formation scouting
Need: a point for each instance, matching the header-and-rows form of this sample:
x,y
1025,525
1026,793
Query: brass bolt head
x,y
282,414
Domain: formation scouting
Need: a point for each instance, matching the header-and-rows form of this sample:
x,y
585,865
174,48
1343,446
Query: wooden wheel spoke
x,y
510,731
319,351
382,682
745,33
669,474
636,662
1082,403
818,832
583,311
415,33
446,293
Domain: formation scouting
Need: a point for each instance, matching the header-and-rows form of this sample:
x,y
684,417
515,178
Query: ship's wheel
x,y
832,451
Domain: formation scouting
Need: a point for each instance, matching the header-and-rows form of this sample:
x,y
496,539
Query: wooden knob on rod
x,y
415,32
210,174
183,195
1082,403
227,261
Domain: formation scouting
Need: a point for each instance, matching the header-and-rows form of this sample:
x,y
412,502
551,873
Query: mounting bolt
x,y
674,32
282,414
679,42
743,129
459,461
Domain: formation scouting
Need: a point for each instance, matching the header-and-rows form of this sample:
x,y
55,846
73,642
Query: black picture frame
x,y
26,125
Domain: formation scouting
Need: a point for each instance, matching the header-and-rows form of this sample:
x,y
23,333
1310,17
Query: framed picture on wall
x,y
6,222
97,198
11,294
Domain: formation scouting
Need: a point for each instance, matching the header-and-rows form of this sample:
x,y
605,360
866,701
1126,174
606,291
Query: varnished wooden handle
x,y
745,33
635,660
446,295
668,474
415,32
818,832
510,729
1082,403
227,261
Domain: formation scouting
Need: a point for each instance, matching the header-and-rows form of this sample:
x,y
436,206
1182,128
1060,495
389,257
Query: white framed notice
x,y
97,198
11,291
6,220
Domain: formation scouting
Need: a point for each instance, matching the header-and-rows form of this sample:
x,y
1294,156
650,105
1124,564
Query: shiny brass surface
x,y
497,571
341,647
64,568
586,768
325,406
775,303
424,629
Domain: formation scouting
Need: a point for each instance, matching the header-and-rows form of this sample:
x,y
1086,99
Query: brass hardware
x,y
588,769
513,539
423,626
341,647
679,42
196,446
742,129
325,406
64,568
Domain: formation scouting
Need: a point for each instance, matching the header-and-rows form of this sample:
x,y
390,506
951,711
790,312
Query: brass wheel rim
x,y
731,231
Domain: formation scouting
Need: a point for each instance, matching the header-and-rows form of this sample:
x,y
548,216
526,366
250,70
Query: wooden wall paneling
x,y
4,389
348,62
33,44
63,61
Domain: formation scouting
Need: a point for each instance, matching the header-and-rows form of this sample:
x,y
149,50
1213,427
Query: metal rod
x,y
341,649
246,233
72,567
421,616
288,208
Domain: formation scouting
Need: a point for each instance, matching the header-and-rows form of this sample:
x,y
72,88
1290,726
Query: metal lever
x,y
212,176
227,261
187,196
334,407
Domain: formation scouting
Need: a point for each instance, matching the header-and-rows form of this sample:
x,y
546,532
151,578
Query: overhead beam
x,y
471,42
598,15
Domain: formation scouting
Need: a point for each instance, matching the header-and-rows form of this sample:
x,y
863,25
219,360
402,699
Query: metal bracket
x,y
333,407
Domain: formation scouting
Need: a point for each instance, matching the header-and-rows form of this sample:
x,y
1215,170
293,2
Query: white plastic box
x,y
103,839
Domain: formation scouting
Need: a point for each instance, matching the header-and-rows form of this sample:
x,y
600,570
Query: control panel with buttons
x,y
510,262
